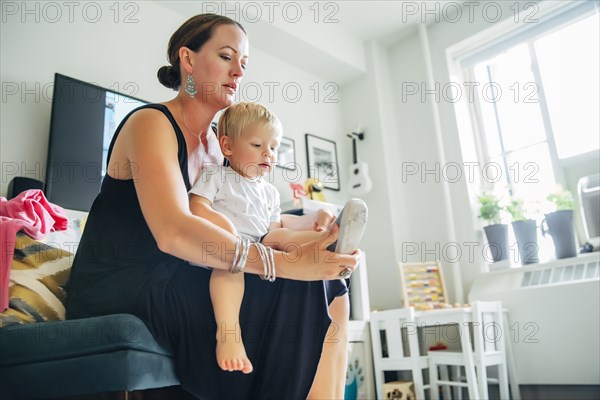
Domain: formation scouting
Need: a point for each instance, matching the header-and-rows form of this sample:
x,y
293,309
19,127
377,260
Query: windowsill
x,y
580,258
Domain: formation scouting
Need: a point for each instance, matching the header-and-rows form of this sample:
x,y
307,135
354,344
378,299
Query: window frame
x,y
566,16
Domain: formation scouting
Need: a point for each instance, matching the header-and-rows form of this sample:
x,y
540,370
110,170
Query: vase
x,y
497,236
526,235
560,227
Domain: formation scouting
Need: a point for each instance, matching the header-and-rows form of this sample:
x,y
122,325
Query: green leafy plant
x,y
489,208
516,209
562,199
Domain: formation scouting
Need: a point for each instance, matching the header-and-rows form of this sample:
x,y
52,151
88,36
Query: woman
x,y
140,230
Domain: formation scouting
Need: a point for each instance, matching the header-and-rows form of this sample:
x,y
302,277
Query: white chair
x,y
389,324
488,350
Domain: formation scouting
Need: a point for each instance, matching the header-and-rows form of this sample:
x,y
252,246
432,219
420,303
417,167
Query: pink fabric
x,y
31,212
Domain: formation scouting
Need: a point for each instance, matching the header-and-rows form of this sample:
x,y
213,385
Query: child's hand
x,y
323,219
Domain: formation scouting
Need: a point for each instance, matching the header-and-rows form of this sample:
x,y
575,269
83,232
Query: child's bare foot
x,y
231,354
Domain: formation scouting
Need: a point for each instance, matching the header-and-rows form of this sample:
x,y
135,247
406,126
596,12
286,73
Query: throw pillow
x,y
38,275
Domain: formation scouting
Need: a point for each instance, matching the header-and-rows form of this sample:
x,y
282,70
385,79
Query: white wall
x,y
365,103
125,57
109,54
406,218
424,216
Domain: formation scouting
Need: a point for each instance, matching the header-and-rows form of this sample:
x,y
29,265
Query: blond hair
x,y
242,115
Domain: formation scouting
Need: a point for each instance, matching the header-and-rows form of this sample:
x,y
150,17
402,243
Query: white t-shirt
x,y
250,204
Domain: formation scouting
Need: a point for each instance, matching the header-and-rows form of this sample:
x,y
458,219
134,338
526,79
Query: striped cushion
x,y
37,276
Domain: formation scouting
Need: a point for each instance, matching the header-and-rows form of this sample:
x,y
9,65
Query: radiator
x,y
554,318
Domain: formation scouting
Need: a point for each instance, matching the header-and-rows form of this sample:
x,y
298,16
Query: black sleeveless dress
x,y
119,268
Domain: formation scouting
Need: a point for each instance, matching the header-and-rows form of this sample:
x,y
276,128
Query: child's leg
x,y
226,293
330,379
281,238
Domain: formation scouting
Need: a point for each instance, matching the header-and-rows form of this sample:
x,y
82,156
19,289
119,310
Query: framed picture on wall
x,y
321,155
286,155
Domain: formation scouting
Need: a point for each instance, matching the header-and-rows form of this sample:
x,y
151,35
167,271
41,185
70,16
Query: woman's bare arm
x,y
150,146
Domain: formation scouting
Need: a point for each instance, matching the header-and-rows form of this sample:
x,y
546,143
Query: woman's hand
x,y
312,261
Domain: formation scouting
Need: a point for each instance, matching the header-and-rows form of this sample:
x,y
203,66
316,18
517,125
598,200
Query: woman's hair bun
x,y
169,77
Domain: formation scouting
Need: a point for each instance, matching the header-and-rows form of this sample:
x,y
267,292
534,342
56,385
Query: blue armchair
x,y
114,353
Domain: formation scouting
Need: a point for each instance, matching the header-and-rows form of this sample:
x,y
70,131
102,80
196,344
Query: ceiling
x,y
332,32
381,19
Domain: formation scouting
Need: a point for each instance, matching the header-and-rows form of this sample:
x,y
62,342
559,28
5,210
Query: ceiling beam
x,y
305,34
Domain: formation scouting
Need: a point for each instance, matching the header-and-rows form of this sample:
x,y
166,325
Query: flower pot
x,y
526,235
497,236
560,227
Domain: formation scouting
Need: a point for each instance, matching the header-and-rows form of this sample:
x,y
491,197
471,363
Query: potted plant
x,y
496,232
559,223
525,230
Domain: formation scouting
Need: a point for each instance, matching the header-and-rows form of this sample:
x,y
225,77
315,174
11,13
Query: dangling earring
x,y
190,86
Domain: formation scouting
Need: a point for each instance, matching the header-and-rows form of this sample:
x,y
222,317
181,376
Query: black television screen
x,y
83,122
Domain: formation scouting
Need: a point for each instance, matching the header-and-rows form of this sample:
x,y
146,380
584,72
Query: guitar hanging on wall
x,y
360,183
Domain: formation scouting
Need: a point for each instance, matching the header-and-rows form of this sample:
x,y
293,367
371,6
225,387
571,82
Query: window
x,y
569,74
538,103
